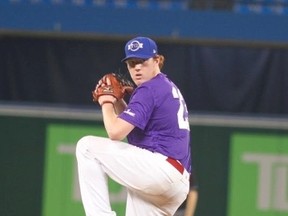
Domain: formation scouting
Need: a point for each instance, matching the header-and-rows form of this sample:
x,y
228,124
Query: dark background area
x,y
228,79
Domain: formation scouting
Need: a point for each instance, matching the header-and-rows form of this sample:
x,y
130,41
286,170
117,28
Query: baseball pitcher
x,y
155,165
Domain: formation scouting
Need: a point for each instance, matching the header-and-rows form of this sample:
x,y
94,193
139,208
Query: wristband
x,y
104,102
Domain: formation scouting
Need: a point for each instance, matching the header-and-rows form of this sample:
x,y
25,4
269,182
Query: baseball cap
x,y
140,47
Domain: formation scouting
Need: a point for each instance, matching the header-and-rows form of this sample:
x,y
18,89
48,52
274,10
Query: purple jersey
x,y
159,114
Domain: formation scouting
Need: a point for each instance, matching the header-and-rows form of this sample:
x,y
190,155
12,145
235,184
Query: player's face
x,y
142,70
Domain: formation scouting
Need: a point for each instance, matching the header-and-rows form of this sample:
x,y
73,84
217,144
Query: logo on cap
x,y
135,45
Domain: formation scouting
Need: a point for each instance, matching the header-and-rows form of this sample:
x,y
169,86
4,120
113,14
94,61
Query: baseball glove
x,y
112,84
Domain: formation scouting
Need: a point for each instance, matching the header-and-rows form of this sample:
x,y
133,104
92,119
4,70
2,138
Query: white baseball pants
x,y
154,186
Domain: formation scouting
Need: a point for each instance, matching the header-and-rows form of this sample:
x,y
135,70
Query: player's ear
x,y
156,59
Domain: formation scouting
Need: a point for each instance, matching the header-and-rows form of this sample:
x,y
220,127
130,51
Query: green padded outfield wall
x,y
39,176
61,187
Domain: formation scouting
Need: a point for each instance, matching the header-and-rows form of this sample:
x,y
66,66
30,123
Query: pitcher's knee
x,y
82,145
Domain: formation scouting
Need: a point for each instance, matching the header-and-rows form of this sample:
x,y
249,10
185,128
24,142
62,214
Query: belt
x,y
176,164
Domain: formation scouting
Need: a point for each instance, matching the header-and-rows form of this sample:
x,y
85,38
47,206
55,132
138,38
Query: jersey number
x,y
182,114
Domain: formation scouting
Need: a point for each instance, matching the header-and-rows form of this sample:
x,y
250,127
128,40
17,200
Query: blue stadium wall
x,y
171,23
